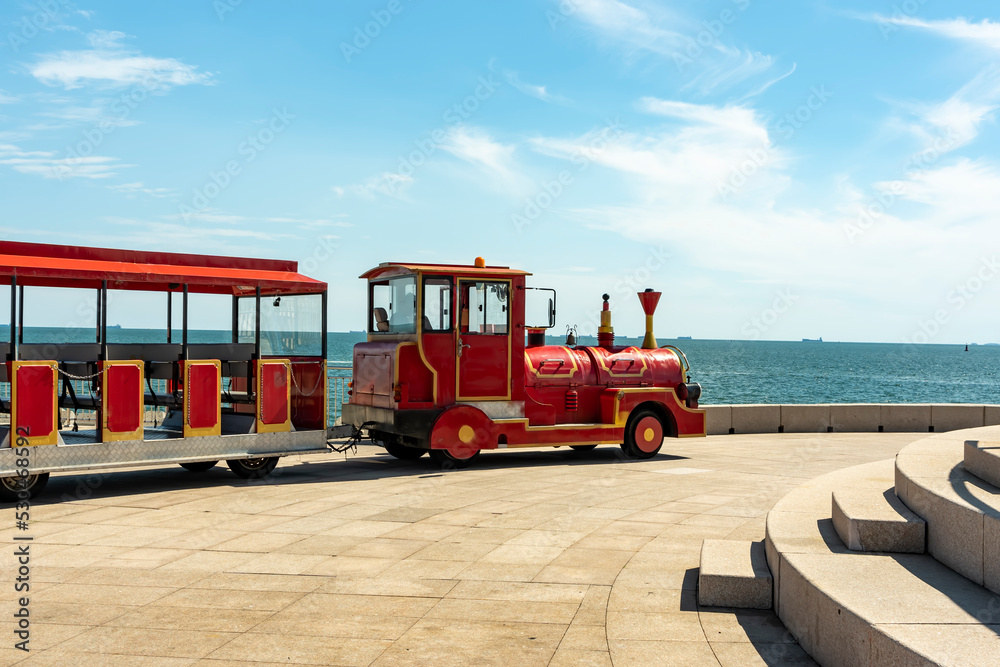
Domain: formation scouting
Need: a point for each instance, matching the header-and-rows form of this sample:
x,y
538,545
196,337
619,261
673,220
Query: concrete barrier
x,y
805,418
906,418
856,417
953,417
718,419
756,418
848,417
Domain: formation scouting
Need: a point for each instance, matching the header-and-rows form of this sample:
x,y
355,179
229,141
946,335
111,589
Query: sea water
x,y
735,371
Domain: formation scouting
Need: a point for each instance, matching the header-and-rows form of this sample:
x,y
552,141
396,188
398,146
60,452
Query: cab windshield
x,y
393,306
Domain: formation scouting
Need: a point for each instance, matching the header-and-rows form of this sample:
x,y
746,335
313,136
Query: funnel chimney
x,y
649,299
605,332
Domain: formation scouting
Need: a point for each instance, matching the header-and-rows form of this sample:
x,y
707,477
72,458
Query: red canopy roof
x,y
39,264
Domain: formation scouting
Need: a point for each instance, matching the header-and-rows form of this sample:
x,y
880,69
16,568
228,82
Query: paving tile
x,y
257,542
444,642
662,654
203,598
235,581
386,548
191,618
209,561
150,642
120,594
644,626
533,592
504,610
580,637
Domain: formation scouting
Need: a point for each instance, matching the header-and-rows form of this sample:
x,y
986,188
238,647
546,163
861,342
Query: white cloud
x,y
985,33
477,147
539,92
388,183
311,224
109,64
165,231
138,187
955,122
966,192
105,39
741,121
45,164
630,26
7,99
700,55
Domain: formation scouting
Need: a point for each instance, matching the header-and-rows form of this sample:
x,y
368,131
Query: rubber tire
x,y
35,485
583,448
253,468
199,466
404,453
447,461
630,447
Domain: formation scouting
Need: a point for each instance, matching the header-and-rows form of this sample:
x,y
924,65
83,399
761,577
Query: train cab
x,y
452,367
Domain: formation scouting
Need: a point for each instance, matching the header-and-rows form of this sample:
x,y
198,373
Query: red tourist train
x,y
451,368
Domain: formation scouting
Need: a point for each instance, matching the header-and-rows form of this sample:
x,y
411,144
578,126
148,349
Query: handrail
x,y
681,355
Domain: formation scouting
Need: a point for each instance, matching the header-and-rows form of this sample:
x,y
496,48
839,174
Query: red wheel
x,y
643,435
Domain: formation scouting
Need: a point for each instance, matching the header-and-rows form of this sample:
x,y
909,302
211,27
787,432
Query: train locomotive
x,y
451,368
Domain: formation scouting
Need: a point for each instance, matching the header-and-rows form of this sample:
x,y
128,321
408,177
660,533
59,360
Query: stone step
x,y
874,519
961,510
734,574
854,608
982,459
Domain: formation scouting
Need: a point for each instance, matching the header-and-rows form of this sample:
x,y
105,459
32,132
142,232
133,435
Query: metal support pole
x,y
13,318
104,320
97,337
184,321
256,340
20,315
170,316
323,344
236,319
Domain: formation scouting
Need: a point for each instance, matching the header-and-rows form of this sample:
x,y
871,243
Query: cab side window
x,y
437,304
485,308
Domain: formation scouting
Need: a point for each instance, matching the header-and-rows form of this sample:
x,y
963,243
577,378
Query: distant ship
x,y
684,338
813,340
114,326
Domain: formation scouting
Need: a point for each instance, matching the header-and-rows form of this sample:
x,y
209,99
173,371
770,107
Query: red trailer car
x,y
248,400
451,368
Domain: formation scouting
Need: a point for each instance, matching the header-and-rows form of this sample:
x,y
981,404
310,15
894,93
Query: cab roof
x,y
389,269
41,264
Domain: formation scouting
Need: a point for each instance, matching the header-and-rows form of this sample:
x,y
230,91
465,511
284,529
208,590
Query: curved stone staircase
x,y
888,563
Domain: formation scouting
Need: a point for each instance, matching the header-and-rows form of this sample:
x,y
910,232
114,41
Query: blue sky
x,y
779,170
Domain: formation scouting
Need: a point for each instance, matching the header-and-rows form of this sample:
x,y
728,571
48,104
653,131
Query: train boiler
x,y
451,368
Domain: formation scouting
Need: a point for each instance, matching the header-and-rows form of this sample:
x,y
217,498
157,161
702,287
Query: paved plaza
x,y
530,557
